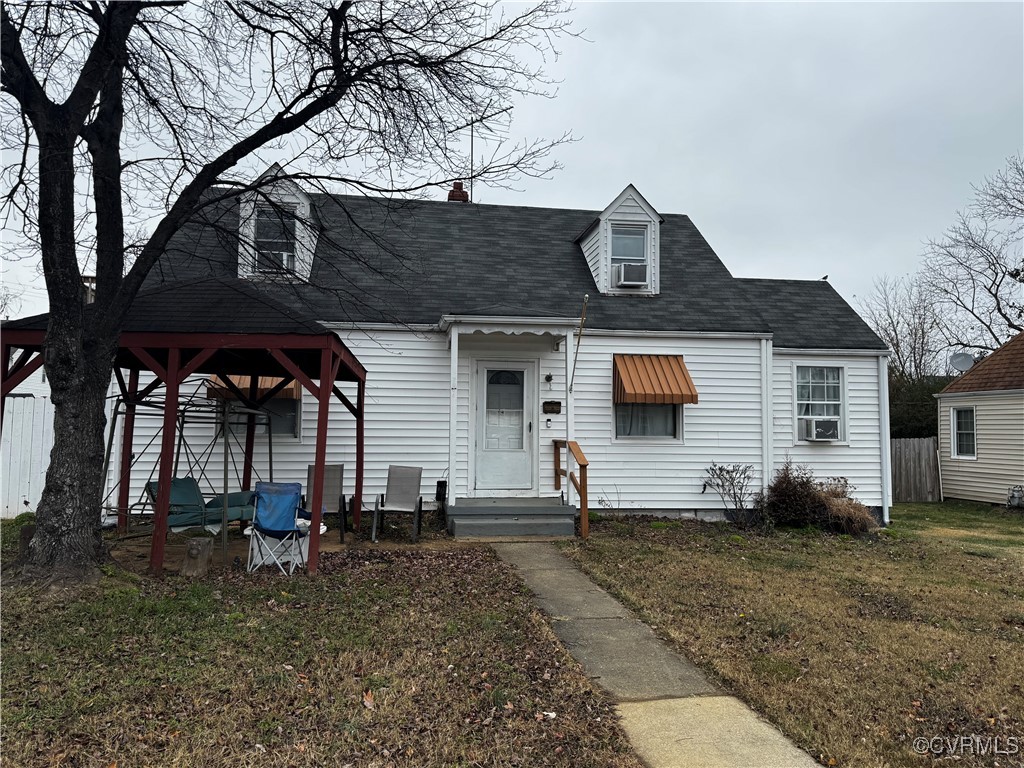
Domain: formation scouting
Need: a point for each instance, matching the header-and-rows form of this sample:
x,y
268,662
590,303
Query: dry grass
x,y
389,658
854,647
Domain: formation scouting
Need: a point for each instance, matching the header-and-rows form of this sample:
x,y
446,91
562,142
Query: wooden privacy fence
x,y
915,469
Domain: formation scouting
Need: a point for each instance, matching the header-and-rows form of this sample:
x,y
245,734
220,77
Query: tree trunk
x,y
68,545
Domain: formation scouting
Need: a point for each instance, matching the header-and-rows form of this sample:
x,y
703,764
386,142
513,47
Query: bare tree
x,y
902,313
10,300
128,114
975,272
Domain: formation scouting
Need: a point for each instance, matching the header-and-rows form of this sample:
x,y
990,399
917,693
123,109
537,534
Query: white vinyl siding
x,y
857,456
594,254
407,403
998,462
660,474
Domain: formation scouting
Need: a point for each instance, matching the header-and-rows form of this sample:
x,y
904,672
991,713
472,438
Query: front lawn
x,y
388,658
853,647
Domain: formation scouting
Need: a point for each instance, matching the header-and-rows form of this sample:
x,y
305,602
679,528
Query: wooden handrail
x,y
580,484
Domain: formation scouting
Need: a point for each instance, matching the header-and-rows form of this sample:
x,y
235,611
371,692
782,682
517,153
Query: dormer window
x,y
275,238
622,247
629,257
628,244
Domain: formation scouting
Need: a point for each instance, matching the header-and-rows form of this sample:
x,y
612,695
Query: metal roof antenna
x,y
486,115
579,340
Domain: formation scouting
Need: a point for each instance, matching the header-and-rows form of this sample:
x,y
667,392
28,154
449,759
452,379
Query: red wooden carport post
x,y
327,372
163,497
250,436
124,481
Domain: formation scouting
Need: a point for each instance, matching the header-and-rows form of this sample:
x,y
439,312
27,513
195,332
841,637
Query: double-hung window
x,y
964,435
275,238
819,403
629,244
630,267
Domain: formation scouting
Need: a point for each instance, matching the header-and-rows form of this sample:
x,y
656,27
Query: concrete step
x,y
560,524
508,507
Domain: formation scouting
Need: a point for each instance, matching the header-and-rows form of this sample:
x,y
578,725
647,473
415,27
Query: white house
x,y
489,332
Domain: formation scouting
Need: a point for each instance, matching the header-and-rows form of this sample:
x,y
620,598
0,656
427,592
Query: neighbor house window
x,y
647,420
965,444
275,238
819,402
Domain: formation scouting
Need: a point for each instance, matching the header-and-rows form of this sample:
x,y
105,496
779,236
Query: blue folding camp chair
x,y
277,538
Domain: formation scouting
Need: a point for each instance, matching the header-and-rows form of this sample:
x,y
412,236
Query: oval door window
x,y
503,428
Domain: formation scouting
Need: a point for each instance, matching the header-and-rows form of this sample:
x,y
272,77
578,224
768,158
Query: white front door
x,y
504,426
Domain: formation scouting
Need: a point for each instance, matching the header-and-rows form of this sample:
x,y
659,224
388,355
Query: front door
x,y
504,426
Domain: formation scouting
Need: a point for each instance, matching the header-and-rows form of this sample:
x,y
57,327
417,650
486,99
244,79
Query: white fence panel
x,y
24,452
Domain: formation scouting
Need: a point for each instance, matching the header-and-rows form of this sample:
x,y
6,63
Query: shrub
x,y
847,515
836,488
793,499
732,483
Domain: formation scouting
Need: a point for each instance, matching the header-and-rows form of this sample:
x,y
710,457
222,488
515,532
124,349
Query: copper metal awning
x,y
652,379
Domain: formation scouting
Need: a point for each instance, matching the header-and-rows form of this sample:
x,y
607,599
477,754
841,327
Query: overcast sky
x,y
802,138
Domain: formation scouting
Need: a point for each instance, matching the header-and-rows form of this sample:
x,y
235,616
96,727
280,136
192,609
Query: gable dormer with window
x,y
276,232
622,247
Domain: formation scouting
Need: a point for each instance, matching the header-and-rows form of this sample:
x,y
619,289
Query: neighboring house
x,y
981,427
467,318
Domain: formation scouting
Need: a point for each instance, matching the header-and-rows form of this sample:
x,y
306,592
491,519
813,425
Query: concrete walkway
x,y
672,714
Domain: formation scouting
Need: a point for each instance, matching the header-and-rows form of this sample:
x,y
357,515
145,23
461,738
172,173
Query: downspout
x,y
883,435
453,398
767,415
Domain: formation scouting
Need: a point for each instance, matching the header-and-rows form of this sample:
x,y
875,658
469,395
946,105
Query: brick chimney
x,y
458,194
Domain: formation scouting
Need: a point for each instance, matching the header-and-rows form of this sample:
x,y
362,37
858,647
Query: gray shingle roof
x,y
808,314
204,305
414,261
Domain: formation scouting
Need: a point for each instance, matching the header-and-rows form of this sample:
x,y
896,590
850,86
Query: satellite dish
x,y
962,361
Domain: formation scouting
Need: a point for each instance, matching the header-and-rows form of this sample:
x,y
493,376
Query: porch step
x,y
511,517
508,525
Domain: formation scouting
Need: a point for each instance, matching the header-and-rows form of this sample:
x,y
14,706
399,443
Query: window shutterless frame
x,y
963,433
275,237
677,418
819,399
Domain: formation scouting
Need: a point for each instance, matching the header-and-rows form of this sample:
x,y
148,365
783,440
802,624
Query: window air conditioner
x,y
631,275
276,261
824,430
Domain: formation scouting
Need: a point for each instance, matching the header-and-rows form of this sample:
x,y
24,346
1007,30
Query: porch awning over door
x,y
652,379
